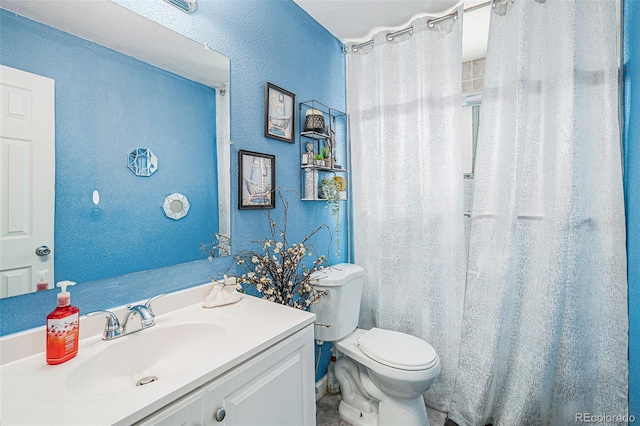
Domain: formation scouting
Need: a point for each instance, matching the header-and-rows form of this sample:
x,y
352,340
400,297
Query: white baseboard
x,y
321,387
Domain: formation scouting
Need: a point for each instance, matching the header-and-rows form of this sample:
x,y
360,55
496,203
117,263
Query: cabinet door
x,y
185,412
275,388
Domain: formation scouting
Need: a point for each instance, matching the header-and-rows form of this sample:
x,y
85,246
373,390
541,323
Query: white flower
x,y
255,259
279,244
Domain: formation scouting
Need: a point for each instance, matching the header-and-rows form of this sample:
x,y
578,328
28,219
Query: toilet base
x,y
357,417
364,404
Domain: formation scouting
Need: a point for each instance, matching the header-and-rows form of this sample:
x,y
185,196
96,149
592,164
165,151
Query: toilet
x,y
382,373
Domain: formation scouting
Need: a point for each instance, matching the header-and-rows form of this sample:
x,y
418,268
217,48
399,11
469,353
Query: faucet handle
x,y
148,304
111,326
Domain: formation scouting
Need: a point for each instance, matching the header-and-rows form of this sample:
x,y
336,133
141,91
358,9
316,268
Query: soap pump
x,y
63,328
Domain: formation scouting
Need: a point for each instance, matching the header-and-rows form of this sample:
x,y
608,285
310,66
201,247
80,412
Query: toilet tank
x,y
340,308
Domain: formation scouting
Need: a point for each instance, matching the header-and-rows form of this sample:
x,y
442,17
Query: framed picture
x,y
256,180
279,113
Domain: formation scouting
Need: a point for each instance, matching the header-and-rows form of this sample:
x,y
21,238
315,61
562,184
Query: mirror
x,y
141,114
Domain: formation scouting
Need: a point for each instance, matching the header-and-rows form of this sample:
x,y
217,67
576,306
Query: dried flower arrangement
x,y
218,248
281,271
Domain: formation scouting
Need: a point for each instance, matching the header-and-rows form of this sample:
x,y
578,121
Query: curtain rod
x,y
431,23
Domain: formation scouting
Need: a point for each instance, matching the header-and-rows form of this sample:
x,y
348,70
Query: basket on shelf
x,y
314,121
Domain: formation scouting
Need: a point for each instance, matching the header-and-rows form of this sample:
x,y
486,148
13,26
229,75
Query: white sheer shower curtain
x,y
405,101
545,321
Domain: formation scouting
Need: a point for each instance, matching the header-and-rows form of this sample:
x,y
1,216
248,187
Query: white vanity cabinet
x,y
275,387
187,411
251,360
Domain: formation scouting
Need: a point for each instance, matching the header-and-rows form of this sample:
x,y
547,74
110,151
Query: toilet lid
x,y
397,350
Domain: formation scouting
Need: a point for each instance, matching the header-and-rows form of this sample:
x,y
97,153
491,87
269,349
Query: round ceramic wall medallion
x,y
175,206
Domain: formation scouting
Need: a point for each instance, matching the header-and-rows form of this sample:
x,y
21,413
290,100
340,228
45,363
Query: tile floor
x,y
327,413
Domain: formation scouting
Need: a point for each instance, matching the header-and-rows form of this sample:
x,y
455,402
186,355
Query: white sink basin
x,y
154,353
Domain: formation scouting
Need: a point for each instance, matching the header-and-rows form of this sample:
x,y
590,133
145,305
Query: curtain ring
x,y
432,22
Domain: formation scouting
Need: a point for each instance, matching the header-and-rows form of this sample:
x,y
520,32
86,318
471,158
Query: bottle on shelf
x,y
333,386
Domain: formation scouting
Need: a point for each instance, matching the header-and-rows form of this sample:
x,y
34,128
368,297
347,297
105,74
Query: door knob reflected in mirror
x,y
43,251
220,414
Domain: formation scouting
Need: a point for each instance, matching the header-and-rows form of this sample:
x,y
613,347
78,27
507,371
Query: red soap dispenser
x,y
63,328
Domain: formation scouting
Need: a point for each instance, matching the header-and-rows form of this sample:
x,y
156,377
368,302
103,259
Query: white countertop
x,y
34,393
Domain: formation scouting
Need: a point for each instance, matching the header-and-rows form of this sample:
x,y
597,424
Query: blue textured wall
x,y
632,189
277,42
107,104
267,41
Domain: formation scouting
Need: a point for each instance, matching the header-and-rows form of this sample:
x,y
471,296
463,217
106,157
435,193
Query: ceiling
x,y
111,25
359,20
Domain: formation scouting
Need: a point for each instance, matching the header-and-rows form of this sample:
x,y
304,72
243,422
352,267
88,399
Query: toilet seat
x,y
397,350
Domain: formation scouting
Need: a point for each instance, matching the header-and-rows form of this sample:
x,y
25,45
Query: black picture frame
x,y
279,113
256,180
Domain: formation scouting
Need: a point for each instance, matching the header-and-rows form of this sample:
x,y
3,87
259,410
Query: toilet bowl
x,y
392,371
382,373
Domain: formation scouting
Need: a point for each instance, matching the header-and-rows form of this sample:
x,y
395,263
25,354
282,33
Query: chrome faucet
x,y
113,329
